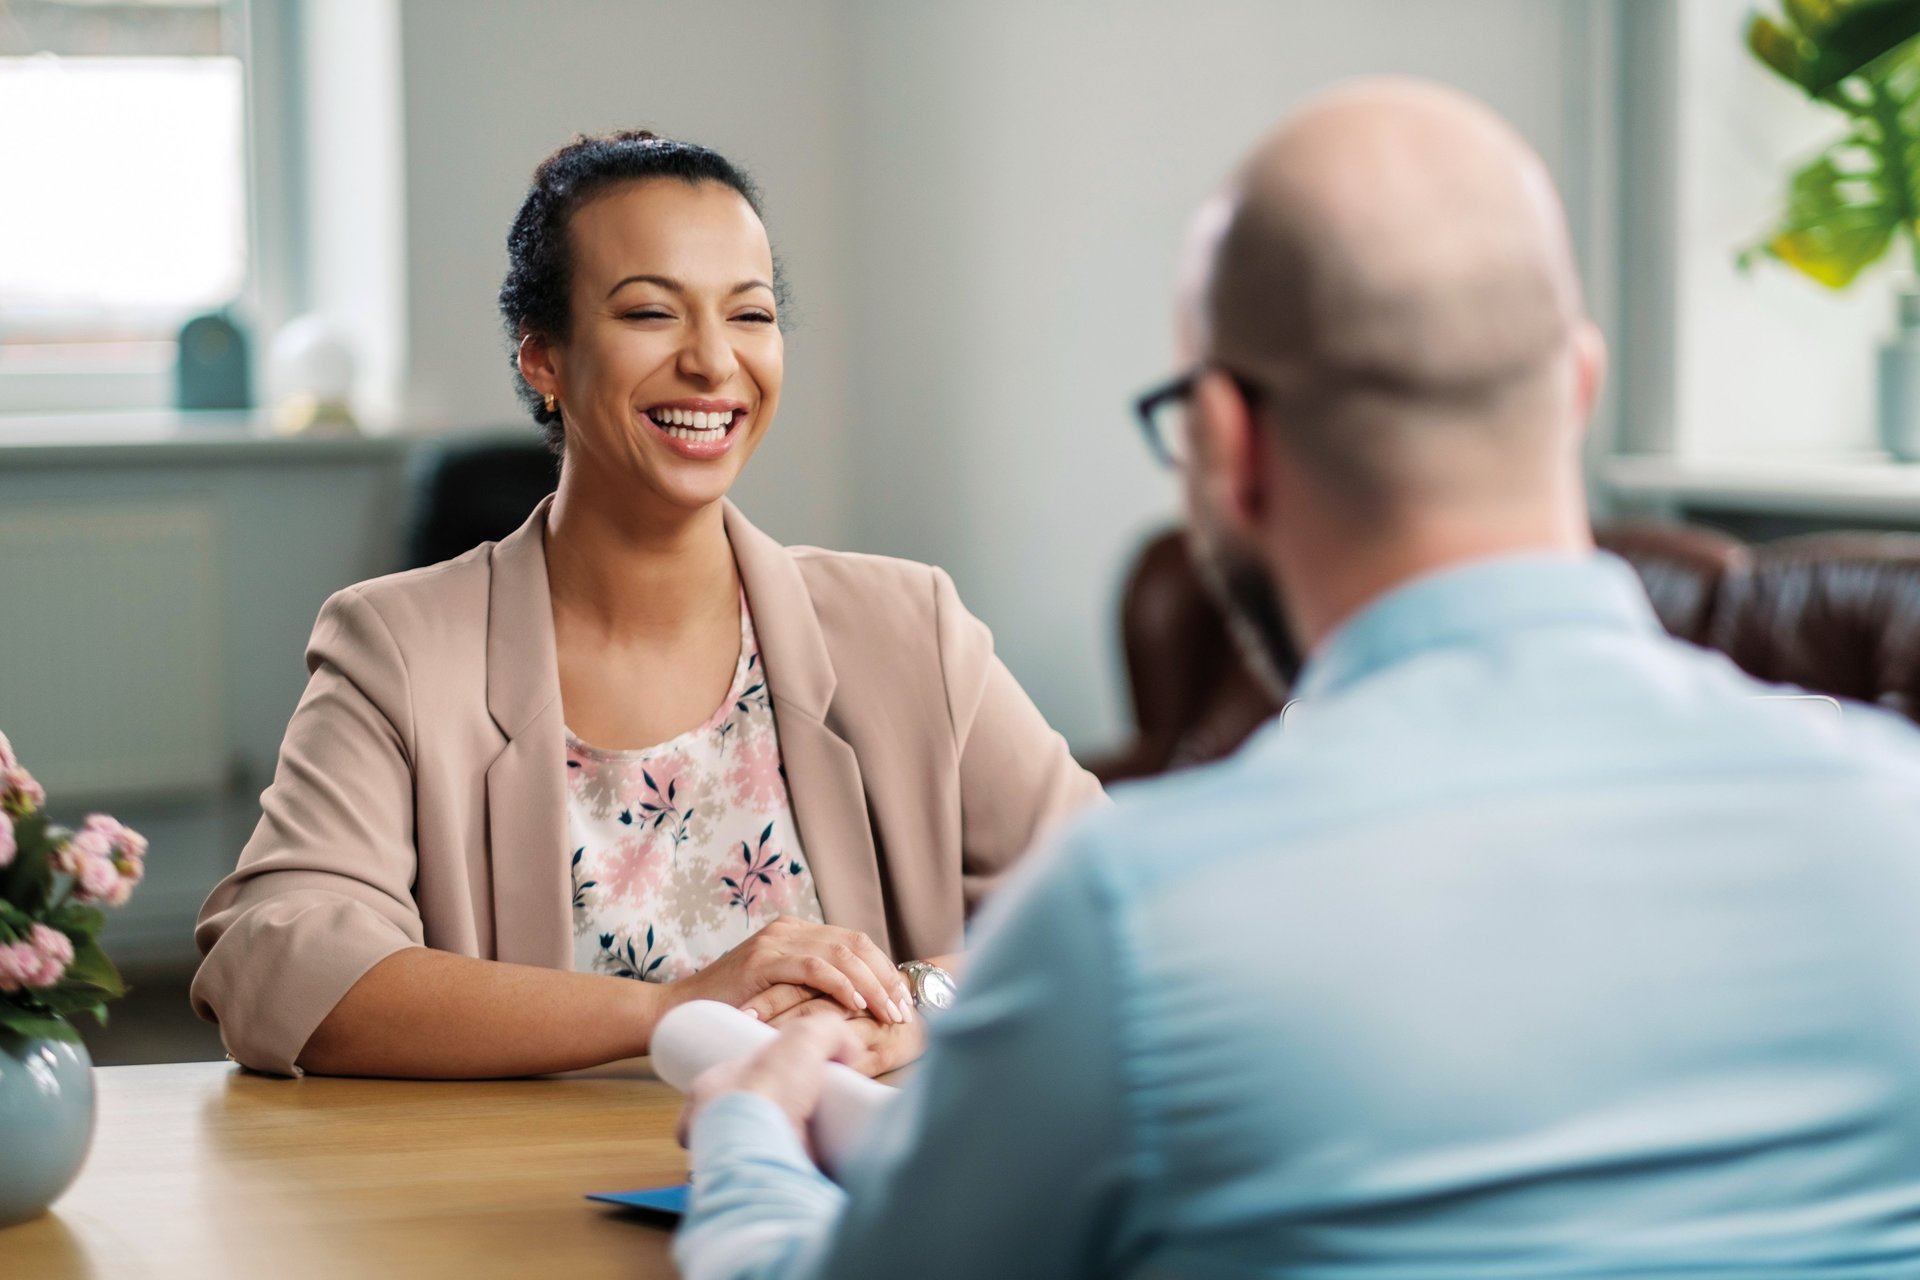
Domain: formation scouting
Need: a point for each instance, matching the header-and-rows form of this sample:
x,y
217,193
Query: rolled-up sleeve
x,y
323,890
1018,780
1013,1150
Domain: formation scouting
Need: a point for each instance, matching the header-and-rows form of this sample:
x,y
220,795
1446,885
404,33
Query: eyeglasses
x,y
1159,411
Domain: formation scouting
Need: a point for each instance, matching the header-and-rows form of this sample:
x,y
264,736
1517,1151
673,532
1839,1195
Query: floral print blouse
x,y
683,850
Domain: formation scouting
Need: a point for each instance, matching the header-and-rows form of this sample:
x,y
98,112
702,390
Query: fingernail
x,y
859,1000
752,1013
893,1011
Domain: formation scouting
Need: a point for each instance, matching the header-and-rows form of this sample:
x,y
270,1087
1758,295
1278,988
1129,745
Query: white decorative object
x,y
703,1033
310,374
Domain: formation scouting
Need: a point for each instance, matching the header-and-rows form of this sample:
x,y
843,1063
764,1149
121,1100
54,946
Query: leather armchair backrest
x,y
1194,698
1836,613
1683,568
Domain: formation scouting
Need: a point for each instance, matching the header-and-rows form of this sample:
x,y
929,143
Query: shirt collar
x,y
1477,602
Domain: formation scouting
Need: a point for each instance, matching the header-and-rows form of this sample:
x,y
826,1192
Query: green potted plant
x,y
1859,198
53,884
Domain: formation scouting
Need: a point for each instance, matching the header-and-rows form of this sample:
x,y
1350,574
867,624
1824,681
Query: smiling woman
x,y
636,739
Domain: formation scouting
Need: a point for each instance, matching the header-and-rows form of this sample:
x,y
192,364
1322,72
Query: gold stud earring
x,y
550,403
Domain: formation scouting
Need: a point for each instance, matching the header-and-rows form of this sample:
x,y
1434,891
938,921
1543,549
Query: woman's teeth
x,y
690,424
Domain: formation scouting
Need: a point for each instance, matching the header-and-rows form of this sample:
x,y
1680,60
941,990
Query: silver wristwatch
x,y
932,986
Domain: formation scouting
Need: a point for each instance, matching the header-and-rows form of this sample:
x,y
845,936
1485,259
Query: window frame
x,y
265,39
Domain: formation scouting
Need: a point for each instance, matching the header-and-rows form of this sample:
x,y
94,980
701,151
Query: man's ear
x,y
1226,455
536,358
1589,373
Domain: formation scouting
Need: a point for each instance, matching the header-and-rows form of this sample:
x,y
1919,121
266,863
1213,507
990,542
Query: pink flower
x,y
40,961
632,870
8,845
755,776
71,858
99,881
127,844
55,952
18,962
126,849
7,759
98,875
19,793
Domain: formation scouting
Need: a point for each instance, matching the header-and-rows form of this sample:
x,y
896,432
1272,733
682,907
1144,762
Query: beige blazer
x,y
420,797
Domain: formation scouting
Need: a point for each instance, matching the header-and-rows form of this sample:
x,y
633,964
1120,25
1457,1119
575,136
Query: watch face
x,y
936,988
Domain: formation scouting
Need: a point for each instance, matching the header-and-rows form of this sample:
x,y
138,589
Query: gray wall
x,y
294,524
979,204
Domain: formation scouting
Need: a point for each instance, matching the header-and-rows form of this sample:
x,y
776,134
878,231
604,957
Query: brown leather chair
x,y
1834,613
1837,613
1682,567
1194,699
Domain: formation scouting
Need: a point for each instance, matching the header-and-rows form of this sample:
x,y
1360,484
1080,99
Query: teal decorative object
x,y
46,1122
210,370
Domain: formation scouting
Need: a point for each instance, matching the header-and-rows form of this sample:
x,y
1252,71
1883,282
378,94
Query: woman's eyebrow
x,y
665,282
674,286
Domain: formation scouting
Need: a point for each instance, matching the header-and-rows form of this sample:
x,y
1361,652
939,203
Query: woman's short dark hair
x,y
534,296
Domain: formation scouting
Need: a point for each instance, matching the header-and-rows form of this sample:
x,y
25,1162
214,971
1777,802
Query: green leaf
x,y
1847,205
28,881
1821,43
78,922
36,1026
1777,48
91,968
1851,36
70,1002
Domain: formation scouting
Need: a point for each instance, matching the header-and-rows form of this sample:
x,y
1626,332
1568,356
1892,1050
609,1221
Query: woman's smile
x,y
698,429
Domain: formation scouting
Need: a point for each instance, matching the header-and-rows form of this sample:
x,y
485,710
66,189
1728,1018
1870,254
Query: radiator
x,y
110,646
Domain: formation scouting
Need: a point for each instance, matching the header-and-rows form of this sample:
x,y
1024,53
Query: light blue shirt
x,y
1532,945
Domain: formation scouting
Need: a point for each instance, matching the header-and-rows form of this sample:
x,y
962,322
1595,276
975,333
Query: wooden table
x,y
201,1169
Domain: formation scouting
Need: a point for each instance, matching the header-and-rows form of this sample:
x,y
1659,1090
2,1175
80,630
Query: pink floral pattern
x,y
682,851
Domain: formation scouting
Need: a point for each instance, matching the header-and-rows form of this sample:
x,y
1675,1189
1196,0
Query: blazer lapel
x,y
526,783
823,774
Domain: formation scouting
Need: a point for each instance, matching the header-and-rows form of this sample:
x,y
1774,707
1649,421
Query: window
x,y
123,136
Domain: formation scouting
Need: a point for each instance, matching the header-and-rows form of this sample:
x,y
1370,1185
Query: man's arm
x,y
1011,1151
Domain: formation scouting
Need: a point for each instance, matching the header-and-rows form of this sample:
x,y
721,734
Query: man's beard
x,y
1247,596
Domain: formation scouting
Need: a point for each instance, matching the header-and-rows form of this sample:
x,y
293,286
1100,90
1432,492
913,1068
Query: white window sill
x,y
173,436
1868,485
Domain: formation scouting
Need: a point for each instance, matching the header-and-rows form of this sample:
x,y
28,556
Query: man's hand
x,y
790,1072
883,1046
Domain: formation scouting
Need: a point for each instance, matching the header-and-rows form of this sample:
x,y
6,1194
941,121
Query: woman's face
x,y
671,371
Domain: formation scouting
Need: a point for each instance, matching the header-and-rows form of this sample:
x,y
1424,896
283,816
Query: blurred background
x,y
249,351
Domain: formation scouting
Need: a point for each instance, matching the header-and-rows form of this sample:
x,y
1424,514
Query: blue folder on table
x,y
668,1201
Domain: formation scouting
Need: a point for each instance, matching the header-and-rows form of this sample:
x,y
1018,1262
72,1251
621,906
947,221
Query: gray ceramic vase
x,y
1900,379
46,1122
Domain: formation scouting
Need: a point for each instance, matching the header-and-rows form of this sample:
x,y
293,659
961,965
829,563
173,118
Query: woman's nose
x,y
707,354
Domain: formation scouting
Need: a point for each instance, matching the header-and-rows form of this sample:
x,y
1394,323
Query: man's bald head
x,y
1392,265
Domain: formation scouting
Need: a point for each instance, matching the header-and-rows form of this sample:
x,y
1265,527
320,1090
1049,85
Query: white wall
x,y
979,204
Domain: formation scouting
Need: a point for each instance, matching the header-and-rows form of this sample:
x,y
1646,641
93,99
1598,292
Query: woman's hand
x,y
878,1048
790,961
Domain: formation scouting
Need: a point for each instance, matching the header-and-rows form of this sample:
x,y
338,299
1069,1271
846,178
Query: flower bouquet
x,y
53,884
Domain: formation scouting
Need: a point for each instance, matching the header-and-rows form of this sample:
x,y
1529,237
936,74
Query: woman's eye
x,y
758,317
648,313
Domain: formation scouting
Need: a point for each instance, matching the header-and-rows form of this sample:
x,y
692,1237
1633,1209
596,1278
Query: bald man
x,y
1532,945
